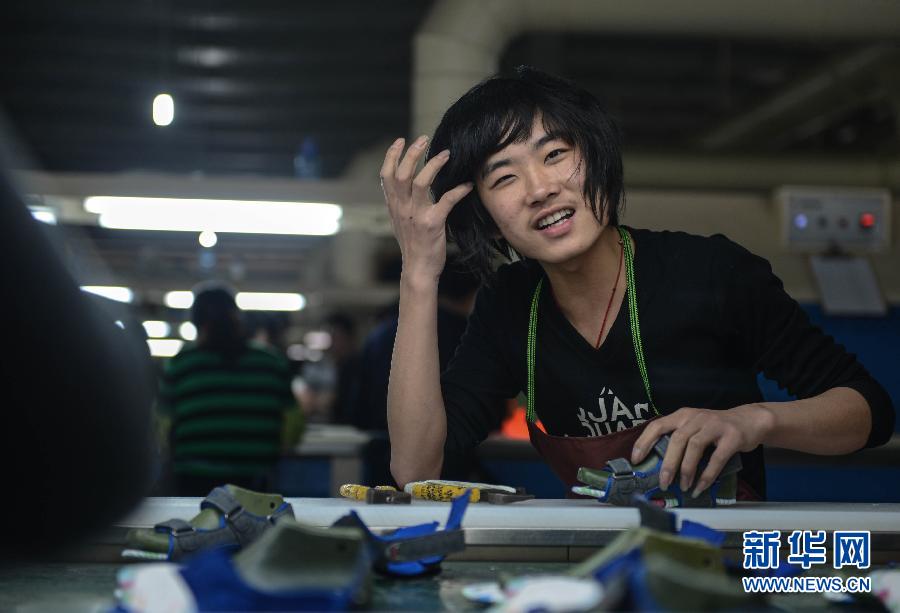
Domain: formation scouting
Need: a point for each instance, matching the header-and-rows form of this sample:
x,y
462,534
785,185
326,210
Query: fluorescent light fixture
x,y
302,353
179,299
163,110
119,294
261,301
208,239
203,215
188,331
317,339
157,329
296,352
164,347
247,301
43,214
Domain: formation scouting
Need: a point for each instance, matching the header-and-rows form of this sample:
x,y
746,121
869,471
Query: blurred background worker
x,y
328,381
343,357
229,402
265,330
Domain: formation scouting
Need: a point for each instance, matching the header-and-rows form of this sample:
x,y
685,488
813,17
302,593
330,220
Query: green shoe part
x,y
293,557
292,567
691,552
619,480
229,516
676,586
596,481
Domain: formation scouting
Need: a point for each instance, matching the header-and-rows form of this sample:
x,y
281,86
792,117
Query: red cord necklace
x,y
613,295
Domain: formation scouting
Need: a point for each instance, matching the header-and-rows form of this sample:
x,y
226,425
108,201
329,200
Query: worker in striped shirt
x,y
228,402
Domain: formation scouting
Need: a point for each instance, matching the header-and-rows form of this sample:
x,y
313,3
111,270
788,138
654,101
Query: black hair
x,y
214,308
500,111
457,280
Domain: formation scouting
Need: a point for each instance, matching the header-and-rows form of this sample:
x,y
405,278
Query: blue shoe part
x,y
696,530
389,550
216,586
639,592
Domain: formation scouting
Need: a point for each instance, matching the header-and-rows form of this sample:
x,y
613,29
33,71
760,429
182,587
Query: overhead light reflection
x,y
208,239
188,331
267,301
164,347
163,110
179,299
200,214
112,292
157,329
246,301
318,340
43,214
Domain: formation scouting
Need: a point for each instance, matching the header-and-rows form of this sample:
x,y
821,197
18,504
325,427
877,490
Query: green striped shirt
x,y
227,414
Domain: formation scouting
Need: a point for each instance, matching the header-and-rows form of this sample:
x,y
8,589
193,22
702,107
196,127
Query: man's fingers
x,y
675,453
451,197
391,159
693,453
726,448
422,183
649,436
407,165
389,167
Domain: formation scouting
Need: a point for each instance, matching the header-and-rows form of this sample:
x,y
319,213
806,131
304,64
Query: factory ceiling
x,y
254,81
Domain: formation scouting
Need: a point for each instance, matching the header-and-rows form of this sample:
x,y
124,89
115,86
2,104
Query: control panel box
x,y
824,219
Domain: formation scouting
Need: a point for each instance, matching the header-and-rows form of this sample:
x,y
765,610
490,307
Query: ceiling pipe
x,y
831,84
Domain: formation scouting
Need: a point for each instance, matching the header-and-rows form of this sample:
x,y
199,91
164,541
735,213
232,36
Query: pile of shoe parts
x,y
245,551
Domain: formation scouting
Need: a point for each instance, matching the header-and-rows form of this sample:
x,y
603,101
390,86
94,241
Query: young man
x,y
604,327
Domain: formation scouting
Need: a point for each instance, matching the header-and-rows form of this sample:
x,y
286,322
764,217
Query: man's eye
x,y
501,180
554,154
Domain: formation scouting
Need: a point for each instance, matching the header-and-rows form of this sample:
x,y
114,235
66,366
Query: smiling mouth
x,y
554,218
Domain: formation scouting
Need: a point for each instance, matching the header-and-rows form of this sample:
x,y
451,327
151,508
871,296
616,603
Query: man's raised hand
x,y
418,223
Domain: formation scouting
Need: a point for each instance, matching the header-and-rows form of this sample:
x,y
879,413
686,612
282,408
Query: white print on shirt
x,y
618,419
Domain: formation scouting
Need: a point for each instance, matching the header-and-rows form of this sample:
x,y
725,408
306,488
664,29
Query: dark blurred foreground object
x,y
77,448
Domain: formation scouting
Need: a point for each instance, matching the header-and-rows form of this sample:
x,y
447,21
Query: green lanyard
x,y
631,291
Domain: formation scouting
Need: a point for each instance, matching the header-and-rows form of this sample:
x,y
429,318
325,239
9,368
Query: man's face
x,y
534,192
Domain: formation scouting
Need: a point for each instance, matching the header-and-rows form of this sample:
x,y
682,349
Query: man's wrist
x,y
764,420
419,283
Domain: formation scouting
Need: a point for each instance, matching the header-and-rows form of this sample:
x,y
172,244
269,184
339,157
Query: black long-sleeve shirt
x,y
712,315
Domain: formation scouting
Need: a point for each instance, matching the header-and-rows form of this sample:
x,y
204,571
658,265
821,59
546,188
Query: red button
x,y
866,220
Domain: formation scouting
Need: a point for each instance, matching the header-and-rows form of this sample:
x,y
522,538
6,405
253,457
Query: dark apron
x,y
566,454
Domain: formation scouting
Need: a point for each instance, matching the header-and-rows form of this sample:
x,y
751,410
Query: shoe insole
x,y
293,556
